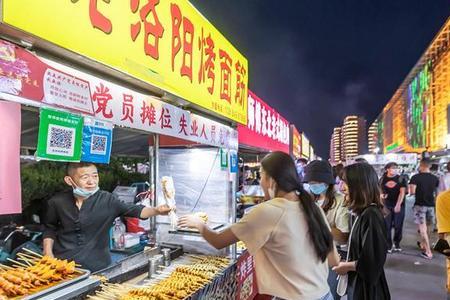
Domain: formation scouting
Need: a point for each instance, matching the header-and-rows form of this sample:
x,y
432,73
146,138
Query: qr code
x,y
98,144
60,140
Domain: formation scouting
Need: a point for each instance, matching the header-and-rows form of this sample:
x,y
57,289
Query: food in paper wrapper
x,y
168,189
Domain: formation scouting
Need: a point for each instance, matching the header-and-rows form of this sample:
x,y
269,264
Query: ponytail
x,y
318,231
279,166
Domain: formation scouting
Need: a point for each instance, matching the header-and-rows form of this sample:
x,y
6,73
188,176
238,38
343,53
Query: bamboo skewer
x,y
17,263
28,256
6,267
32,252
26,259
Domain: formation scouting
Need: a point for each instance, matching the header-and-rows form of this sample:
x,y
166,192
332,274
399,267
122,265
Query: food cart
x,y
176,110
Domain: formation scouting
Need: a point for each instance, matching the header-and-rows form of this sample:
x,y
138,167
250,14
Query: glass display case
x,y
203,183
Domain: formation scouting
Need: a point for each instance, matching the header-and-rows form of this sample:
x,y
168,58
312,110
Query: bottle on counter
x,y
119,234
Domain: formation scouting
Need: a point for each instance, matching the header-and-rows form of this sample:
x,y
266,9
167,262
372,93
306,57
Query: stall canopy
x,y
266,129
36,81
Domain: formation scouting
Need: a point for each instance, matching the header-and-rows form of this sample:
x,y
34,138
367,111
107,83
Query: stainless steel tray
x,y
85,274
191,230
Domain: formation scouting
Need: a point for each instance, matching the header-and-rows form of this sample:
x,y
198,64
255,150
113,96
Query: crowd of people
x,y
318,235
325,232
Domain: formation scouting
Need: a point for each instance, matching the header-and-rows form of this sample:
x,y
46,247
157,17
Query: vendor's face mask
x,y
77,191
80,192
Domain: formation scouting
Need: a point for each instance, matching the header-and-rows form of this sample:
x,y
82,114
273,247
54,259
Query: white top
x,y
338,215
444,182
276,234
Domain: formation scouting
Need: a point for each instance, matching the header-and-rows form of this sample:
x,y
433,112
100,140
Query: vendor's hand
x,y
48,253
397,209
190,221
343,268
163,209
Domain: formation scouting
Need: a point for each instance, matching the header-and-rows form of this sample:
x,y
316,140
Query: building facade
x,y
418,114
336,146
348,141
372,137
354,138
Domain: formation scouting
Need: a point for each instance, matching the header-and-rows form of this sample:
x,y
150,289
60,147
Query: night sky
x,y
317,61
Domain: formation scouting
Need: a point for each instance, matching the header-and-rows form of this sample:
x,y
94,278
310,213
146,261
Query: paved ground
x,y
412,277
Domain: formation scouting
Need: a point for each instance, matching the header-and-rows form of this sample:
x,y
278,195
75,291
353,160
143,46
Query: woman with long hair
x,y
319,176
288,235
367,245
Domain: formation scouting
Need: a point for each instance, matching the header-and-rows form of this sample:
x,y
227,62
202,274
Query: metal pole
x,y
154,159
233,183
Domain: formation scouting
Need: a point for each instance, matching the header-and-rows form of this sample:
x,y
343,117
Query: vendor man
x,y
78,222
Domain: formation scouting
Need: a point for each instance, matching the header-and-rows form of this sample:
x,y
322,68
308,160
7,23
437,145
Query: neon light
x,y
418,104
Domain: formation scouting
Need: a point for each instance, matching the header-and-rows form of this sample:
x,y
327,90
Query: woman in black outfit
x,y
368,245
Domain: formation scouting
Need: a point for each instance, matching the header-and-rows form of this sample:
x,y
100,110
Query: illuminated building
x,y
417,115
336,146
372,138
354,137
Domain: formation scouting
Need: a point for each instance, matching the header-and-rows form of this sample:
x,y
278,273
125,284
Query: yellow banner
x,y
168,44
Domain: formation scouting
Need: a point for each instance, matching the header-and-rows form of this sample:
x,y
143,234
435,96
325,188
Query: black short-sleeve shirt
x,y
83,234
391,187
426,186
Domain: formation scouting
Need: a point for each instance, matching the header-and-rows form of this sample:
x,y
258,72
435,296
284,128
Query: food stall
x,y
296,142
266,131
177,110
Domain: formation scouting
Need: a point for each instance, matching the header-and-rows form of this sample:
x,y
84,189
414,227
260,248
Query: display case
x,y
202,184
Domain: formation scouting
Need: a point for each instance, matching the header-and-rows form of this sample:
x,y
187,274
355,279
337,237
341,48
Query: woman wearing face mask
x,y
288,235
319,176
367,244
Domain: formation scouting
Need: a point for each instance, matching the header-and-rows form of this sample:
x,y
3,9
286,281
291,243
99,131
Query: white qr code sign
x,y
60,140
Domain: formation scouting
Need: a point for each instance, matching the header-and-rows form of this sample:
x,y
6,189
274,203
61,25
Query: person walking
x,y
394,187
367,245
288,235
319,176
300,164
424,185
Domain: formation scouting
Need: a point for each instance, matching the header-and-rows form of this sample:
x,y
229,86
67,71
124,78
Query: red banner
x,y
31,77
266,129
246,277
23,74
